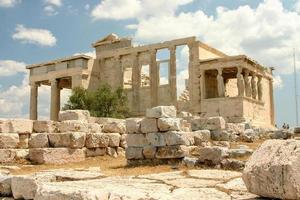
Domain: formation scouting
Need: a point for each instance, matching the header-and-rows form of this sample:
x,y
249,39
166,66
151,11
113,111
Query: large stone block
x,y
149,152
81,115
93,152
179,138
123,142
136,140
273,170
95,128
38,140
114,139
45,127
114,126
7,155
149,125
133,153
94,140
70,139
21,126
169,124
56,155
156,139
5,186
211,123
22,154
23,140
5,126
9,140
221,135
133,125
168,152
201,136
161,111
72,125
211,155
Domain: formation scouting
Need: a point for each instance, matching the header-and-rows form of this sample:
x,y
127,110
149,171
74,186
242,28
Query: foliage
x,y
104,102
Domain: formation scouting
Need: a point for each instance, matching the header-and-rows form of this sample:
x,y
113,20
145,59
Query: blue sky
x,y
33,31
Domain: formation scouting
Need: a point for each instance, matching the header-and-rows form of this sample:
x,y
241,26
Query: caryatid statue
x,y
254,86
259,88
247,84
240,83
221,87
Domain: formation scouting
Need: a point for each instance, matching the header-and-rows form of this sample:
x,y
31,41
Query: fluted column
x,y
55,100
221,87
247,84
154,78
33,101
172,74
260,88
118,65
240,82
202,84
254,86
136,82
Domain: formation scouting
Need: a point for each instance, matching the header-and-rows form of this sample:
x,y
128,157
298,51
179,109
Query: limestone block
x,y
7,155
201,136
220,135
120,151
5,126
56,155
211,123
133,125
70,139
169,124
184,114
156,139
221,143
149,125
133,153
185,126
9,140
22,154
72,125
95,128
171,152
114,139
38,140
114,126
282,134
112,151
149,152
5,186
189,161
44,127
236,128
81,115
93,152
236,153
179,138
273,170
23,141
161,111
94,140
249,135
123,142
136,140
211,155
21,126
232,164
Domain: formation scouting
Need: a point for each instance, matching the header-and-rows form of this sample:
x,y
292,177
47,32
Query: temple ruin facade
x,y
234,87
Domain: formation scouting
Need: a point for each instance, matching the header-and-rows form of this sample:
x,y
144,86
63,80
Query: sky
x,y
33,31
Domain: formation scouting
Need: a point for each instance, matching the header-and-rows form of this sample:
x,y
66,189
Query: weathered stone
x,y
232,164
134,153
70,139
38,140
5,126
237,128
136,140
95,128
114,126
211,155
56,155
7,155
114,139
185,126
161,111
249,135
94,140
220,135
81,115
72,125
296,129
273,170
156,139
93,152
201,136
123,142
189,161
5,186
179,138
149,152
235,153
169,124
9,140
22,154
44,127
281,134
23,141
149,125
133,125
211,123
120,151
171,152
112,151
21,126
220,143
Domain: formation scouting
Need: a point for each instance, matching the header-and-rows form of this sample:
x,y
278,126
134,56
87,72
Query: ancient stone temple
x,y
234,87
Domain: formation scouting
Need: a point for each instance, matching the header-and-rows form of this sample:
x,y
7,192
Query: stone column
x,y
240,82
259,88
118,65
202,84
254,86
247,84
172,75
136,83
154,78
221,87
33,101
55,101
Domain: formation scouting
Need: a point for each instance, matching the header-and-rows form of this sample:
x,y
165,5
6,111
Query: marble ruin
x,y
234,87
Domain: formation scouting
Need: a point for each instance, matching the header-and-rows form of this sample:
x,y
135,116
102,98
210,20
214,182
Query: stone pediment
x,y
111,38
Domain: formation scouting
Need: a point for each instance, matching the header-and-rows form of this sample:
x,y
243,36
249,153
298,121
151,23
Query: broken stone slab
x,y
136,140
161,112
179,138
111,125
69,139
211,155
95,140
114,139
56,155
81,115
93,152
273,170
5,186
169,124
215,174
133,125
9,140
149,125
134,153
38,140
201,136
45,127
167,152
7,155
72,126
210,123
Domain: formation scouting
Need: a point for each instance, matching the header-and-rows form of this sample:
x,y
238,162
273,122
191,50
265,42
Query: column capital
x,y
220,71
172,48
153,51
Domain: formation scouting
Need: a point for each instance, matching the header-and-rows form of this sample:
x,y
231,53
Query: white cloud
x,y
126,9
57,3
50,10
8,3
11,67
297,6
277,82
41,37
51,6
